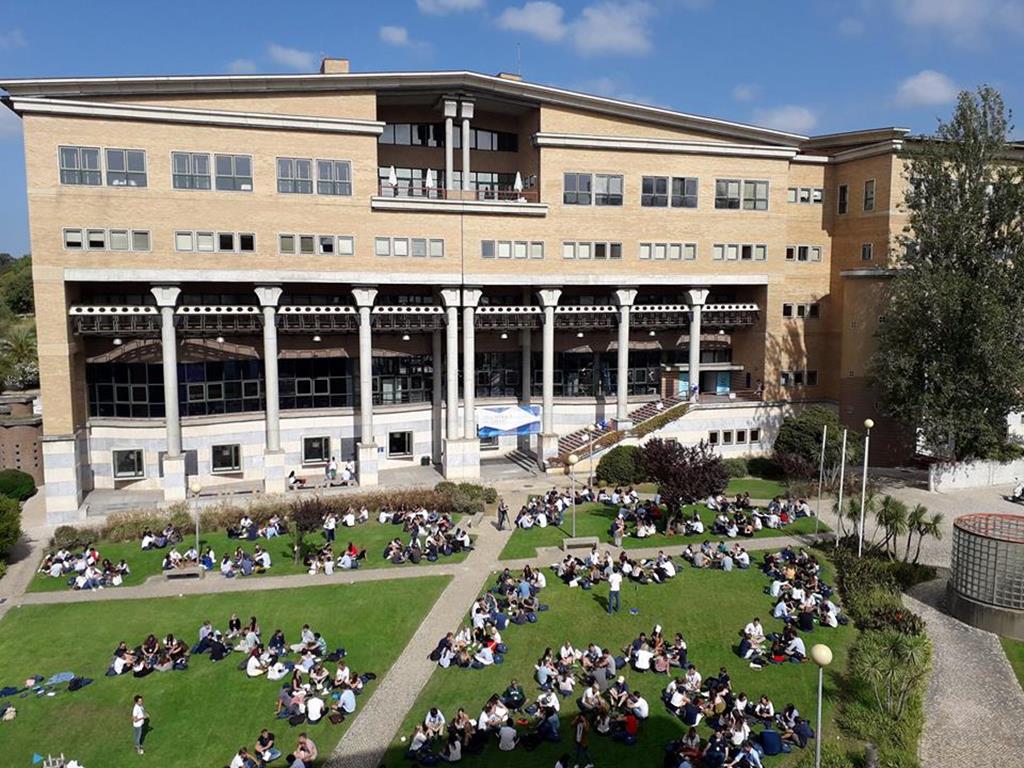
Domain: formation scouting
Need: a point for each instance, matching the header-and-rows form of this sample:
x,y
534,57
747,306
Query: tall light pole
x,y
842,482
822,656
590,478
868,424
821,475
573,461
195,487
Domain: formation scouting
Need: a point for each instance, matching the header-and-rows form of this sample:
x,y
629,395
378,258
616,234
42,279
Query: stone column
x,y
548,443
451,108
437,401
697,298
625,298
174,462
451,298
466,112
470,299
366,448
461,454
273,456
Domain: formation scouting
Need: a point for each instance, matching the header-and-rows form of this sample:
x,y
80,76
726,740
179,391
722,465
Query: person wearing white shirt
x,y
314,708
591,698
347,702
484,656
754,631
796,649
253,667
507,738
550,700
642,659
434,723
639,706
348,519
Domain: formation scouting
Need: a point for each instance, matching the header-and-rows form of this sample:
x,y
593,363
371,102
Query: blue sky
x,y
800,65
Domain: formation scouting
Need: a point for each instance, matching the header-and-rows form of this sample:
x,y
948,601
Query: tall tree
x,y
949,361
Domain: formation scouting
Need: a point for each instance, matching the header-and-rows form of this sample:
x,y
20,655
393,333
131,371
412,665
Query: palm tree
x,y
915,519
19,365
930,527
892,519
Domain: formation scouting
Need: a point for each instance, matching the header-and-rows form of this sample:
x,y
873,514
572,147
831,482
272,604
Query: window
x,y
333,177
568,250
787,310
80,166
140,239
727,193
400,246
791,195
119,240
183,241
805,195
536,250
755,195
234,173
712,438
755,435
295,175
190,170
73,239
96,239
504,249
741,436
436,246
577,189
794,379
204,242
129,464
487,249
684,192
225,241
346,245
803,253
382,246
286,243
247,242
739,252
727,437
654,192
325,245
817,195
869,195
843,199
226,458
607,189
126,168
399,444
316,450
307,245
418,246
867,252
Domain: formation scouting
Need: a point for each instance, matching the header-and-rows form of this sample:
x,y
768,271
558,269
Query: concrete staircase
x,y
583,443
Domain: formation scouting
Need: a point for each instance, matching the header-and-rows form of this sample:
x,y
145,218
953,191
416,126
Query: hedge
x,y
10,525
736,467
621,466
16,484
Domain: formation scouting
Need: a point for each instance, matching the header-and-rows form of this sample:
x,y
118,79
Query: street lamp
x,y
868,424
821,475
573,461
590,458
842,483
194,487
822,656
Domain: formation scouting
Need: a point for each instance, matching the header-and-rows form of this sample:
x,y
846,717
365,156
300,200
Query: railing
x,y
508,195
139,326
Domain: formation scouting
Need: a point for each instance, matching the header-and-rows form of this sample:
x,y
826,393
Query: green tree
x,y
16,289
949,361
19,364
685,474
798,444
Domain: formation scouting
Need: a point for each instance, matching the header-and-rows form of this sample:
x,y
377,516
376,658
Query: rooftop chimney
x,y
510,76
330,66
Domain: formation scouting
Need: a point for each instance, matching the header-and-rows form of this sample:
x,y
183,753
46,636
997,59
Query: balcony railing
x,y
436,193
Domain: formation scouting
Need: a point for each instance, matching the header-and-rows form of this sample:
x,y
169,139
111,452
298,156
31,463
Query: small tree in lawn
x,y
684,474
797,446
305,516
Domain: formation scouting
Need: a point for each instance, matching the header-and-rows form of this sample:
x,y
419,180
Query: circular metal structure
x,y
986,581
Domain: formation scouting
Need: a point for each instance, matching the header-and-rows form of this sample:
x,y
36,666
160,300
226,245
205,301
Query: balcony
x,y
403,197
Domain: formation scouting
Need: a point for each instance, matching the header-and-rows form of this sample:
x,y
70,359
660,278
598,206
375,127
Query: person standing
x,y
502,514
581,727
139,718
330,525
614,587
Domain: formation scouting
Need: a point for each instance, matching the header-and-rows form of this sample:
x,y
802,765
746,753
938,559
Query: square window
x,y
126,168
487,249
684,192
732,252
791,195
73,239
286,243
568,250
727,194
755,195
316,450
583,250
325,243
614,250
607,189
334,177
755,435
798,378
536,250
600,250
690,251
436,248
399,444
660,251
129,464
418,246
654,192
577,188
119,240
519,250
247,242
295,175
718,253
712,438
190,170
741,436
204,242
746,253
817,195
346,245
784,378
805,195
225,242
307,245
233,173
96,239
504,249
787,310
140,240
79,166
675,251
727,437
183,241
645,251
382,246
400,246
226,458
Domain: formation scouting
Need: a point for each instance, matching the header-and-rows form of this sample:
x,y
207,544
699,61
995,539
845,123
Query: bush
x,y
72,538
446,487
736,467
462,498
10,525
129,526
895,618
765,468
620,466
3,568
16,484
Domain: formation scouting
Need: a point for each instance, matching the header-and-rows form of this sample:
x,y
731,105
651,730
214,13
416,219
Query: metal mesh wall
x,y
988,559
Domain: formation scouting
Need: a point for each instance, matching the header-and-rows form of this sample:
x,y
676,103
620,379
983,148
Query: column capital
x,y
625,297
364,295
450,107
471,297
697,296
466,109
166,295
549,296
452,297
268,295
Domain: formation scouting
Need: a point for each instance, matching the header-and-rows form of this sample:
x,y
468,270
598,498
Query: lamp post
x,y
842,482
590,471
821,475
573,461
194,487
868,424
822,656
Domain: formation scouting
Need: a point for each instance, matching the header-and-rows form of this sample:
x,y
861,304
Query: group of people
x,y
85,569
601,565
721,555
427,535
152,655
265,751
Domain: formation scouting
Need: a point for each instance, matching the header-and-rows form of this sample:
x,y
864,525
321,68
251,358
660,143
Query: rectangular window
x,y
436,246
183,241
333,177
295,175
675,251
804,195
727,194
660,251
690,251
568,250
787,310
755,435
843,199
119,240
487,249
583,250
382,246
654,192
140,239
399,444
129,464
519,250
226,458
577,189
316,450
817,195
126,168
801,310
325,245
204,242
400,246
80,166
684,192
73,239
727,437
746,253
645,251
504,249
346,245
712,438
307,245
418,246
815,253
233,173
802,253
755,195
869,195
536,250
600,250
718,252
732,252
798,378
867,252
760,252
813,310
190,170
741,436
607,189
791,194
784,378
247,242
226,242
286,243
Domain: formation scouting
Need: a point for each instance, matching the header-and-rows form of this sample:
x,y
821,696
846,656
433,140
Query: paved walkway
x,y
974,703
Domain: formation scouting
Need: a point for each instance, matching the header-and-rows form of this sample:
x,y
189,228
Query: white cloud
x,y
10,123
540,19
242,67
789,117
744,92
966,22
15,38
614,27
444,7
293,58
850,27
394,35
926,88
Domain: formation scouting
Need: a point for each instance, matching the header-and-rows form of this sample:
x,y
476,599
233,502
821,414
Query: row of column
x,y
460,452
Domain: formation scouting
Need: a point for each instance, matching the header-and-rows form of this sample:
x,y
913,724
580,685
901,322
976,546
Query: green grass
x,y
202,716
371,535
683,604
757,487
595,520
1015,654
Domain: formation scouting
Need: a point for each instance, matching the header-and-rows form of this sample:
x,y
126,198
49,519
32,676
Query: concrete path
x,y
974,703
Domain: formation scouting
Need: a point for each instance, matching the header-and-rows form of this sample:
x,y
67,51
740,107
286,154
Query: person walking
x,y
139,718
502,514
614,587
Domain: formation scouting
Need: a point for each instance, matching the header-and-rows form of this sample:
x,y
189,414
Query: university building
x,y
242,276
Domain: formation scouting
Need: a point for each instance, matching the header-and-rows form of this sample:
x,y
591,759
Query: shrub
x,y
893,617
766,468
620,466
446,487
72,538
129,526
3,568
736,467
832,756
16,484
10,525
459,499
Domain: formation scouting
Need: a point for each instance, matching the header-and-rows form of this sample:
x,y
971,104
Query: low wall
x,y
973,474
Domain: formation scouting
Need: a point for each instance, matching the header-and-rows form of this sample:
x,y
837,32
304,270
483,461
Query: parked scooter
x,y
1017,496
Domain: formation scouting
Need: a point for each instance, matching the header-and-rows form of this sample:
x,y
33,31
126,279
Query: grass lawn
x,y
683,604
201,716
595,520
1015,653
757,487
371,535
